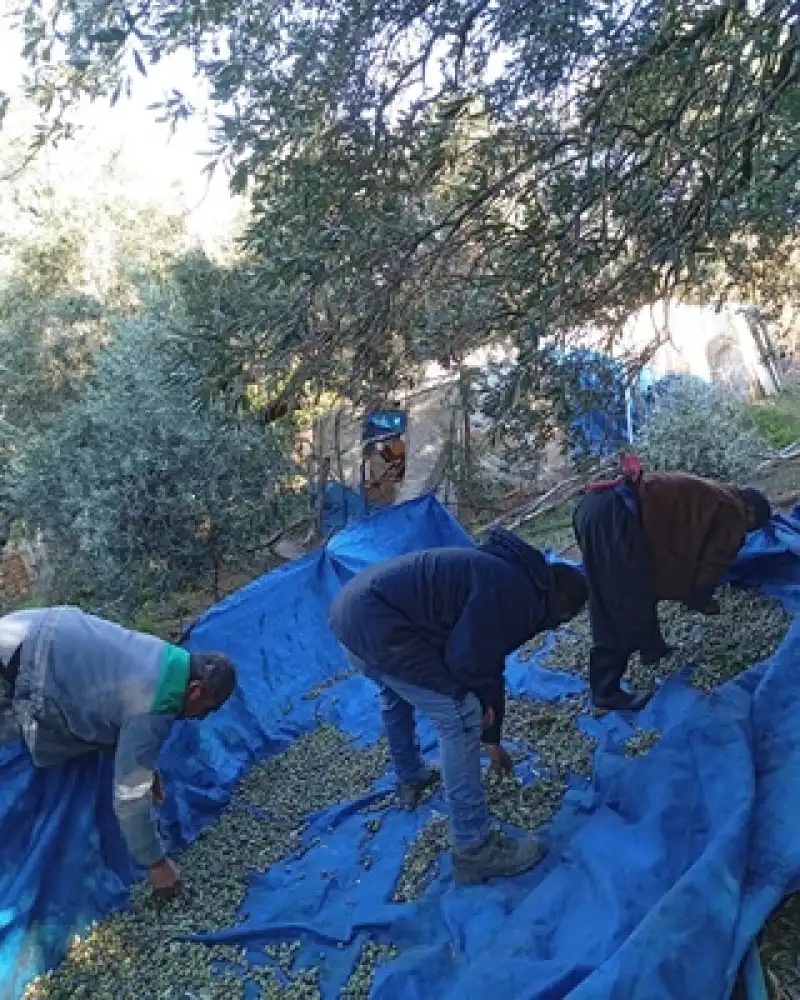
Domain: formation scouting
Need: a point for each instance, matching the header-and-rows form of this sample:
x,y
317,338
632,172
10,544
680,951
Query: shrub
x,y
140,486
700,427
778,417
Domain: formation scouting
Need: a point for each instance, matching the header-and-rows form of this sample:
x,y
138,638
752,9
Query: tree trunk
x,y
337,445
466,408
322,484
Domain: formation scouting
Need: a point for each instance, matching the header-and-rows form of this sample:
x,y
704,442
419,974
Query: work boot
x,y
499,856
623,701
410,793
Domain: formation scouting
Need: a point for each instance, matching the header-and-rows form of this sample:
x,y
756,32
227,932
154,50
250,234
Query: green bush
x,y
702,428
140,486
778,418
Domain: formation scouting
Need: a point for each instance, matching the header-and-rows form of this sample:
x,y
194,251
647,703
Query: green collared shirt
x,y
172,683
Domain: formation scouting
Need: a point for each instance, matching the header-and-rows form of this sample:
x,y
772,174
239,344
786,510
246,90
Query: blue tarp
x,y
342,507
601,431
660,872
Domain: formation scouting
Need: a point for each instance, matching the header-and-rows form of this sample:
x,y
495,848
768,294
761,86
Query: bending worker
x,y
652,537
432,630
79,684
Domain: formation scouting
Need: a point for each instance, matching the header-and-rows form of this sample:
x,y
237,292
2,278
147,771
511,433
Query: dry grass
x,y
777,418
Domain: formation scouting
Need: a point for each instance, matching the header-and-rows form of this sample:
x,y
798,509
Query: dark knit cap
x,y
216,672
759,503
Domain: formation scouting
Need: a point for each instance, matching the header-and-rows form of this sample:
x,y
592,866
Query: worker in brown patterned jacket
x,y
649,537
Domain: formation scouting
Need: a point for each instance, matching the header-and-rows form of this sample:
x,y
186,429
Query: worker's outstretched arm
x,y
499,758
496,701
138,749
475,657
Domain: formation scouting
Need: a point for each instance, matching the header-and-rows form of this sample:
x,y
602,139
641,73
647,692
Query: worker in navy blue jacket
x,y
433,630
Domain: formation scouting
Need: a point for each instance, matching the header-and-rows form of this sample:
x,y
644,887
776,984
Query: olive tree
x,y
702,428
142,486
551,163
72,255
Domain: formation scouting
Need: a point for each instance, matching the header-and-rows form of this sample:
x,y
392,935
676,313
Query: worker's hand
x,y
499,759
158,790
165,878
488,718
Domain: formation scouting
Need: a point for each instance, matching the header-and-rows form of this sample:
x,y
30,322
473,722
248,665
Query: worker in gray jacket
x,y
78,684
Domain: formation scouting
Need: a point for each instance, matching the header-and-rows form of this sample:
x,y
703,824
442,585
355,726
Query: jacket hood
x,y
530,561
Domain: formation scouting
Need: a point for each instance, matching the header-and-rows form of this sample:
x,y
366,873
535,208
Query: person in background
x,y
432,629
78,684
650,537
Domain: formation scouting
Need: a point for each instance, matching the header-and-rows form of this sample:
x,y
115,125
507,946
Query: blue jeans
x,y
458,726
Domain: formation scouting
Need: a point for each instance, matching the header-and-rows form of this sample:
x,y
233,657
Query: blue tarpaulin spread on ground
x,y
342,507
660,873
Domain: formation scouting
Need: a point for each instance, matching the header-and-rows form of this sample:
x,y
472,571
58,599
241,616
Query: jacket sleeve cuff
x,y
496,700
492,734
143,840
484,696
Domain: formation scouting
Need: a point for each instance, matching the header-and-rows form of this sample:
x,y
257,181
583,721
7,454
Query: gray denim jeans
x,y
458,727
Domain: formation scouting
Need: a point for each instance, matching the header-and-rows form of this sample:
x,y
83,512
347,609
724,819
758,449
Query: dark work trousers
x,y
622,602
